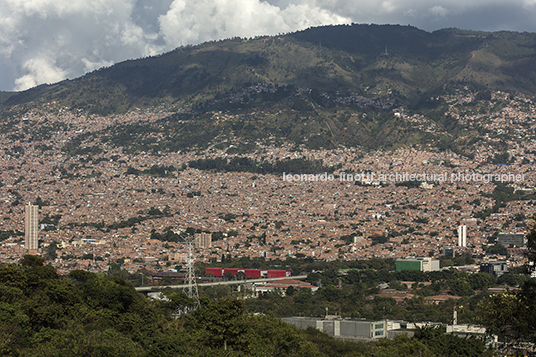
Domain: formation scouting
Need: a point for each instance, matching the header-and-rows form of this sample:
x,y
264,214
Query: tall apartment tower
x,y
203,240
462,236
31,223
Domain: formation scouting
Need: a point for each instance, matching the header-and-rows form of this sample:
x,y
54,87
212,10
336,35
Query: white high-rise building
x,y
462,236
203,240
31,229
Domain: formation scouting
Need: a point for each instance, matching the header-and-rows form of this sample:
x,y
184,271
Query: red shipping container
x,y
252,273
278,273
214,271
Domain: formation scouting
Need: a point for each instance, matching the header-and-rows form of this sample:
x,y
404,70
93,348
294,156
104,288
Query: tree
x,y
32,261
229,275
442,344
51,251
481,281
512,279
86,314
223,325
511,315
290,291
303,296
329,293
498,249
460,287
177,301
218,291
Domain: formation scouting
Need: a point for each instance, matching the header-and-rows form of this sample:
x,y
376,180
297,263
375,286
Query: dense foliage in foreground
x,y
85,314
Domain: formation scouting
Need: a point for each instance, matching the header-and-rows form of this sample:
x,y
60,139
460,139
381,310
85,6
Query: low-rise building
x,y
422,264
365,330
496,268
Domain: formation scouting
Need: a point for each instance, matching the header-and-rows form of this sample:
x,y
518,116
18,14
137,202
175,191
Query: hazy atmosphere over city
x,y
331,178
46,41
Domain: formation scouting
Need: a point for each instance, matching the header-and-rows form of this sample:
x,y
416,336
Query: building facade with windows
x,y
31,228
512,239
422,264
203,240
496,268
364,330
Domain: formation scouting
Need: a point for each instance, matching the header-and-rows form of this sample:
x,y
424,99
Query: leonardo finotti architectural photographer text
x,y
370,177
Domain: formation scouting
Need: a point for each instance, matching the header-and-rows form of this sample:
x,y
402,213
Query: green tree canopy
x,y
511,315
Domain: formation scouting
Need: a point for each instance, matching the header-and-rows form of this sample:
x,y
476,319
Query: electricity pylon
x,y
191,280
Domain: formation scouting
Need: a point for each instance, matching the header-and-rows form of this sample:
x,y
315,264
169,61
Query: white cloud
x,y
90,66
204,20
388,6
439,11
50,40
39,70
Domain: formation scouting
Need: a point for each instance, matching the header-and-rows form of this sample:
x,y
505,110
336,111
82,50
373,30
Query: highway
x,y
143,289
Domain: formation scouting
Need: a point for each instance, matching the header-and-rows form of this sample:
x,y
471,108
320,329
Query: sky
x,y
46,41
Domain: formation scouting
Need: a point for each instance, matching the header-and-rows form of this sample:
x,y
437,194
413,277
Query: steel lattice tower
x,y
193,292
191,281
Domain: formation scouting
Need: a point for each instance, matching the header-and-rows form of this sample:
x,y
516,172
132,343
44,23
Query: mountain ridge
x,y
369,86
405,59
